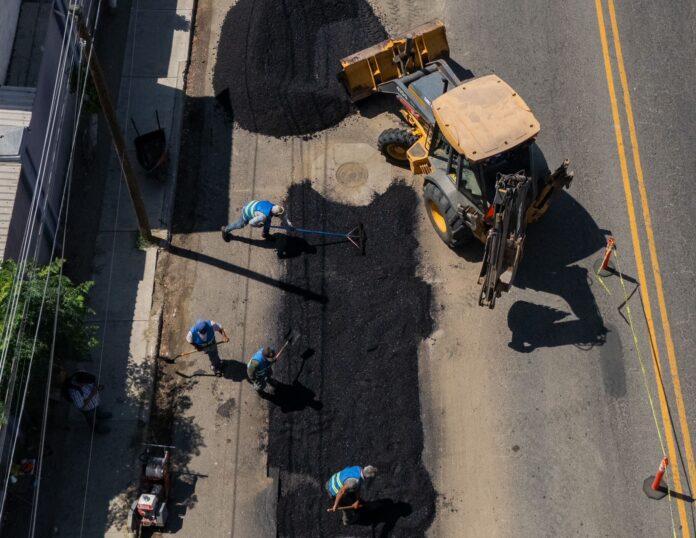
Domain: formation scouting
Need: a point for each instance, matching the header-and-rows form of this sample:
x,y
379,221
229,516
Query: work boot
x,y
226,236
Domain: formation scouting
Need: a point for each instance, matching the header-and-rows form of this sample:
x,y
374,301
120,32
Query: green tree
x,y
74,337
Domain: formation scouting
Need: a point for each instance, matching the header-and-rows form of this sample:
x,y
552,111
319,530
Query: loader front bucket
x,y
364,71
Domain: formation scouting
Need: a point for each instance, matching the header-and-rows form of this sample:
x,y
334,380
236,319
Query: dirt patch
x,y
225,409
359,353
280,58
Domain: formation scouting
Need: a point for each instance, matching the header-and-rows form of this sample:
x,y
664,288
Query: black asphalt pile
x,y
280,58
349,393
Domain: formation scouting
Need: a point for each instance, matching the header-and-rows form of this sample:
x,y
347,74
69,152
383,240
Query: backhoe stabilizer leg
x,y
561,178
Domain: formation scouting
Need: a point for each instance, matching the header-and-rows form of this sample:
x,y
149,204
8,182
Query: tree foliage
x,y
74,337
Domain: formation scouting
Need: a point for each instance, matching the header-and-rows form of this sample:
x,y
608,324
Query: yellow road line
x,y
671,355
669,432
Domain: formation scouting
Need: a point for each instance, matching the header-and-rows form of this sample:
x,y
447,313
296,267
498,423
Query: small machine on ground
x,y
149,511
473,140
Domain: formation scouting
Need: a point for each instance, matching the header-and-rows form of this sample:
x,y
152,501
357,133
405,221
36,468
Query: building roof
x,y
483,117
9,178
16,104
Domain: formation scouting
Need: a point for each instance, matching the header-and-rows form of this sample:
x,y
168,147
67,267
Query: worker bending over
x,y
345,487
259,368
257,213
202,337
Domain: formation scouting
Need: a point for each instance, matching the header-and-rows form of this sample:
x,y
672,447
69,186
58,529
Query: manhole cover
x,y
352,174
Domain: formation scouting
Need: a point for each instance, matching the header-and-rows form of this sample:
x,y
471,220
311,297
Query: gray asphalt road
x,y
572,434
537,419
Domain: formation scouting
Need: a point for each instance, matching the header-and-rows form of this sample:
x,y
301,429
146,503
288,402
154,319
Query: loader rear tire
x,y
394,143
448,223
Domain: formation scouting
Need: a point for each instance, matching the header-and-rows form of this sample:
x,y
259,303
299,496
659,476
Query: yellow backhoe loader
x,y
473,140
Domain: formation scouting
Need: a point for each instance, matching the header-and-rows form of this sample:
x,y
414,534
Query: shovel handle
x,y
282,349
202,348
343,508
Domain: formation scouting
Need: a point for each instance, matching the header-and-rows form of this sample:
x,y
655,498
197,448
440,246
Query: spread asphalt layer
x,y
280,61
348,392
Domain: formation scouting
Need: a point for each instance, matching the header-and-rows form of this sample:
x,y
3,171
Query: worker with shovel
x,y
345,487
259,368
202,337
257,213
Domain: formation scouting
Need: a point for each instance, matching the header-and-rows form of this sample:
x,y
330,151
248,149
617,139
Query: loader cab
x,y
464,175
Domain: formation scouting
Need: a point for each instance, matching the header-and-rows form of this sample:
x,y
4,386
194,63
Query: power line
x,y
37,489
38,188
48,143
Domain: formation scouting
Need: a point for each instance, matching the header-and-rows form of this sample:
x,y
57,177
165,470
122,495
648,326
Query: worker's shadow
x,y
565,236
286,246
294,396
384,512
234,370
290,398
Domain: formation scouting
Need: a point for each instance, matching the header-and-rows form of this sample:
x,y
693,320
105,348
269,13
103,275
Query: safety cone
x,y
604,266
653,486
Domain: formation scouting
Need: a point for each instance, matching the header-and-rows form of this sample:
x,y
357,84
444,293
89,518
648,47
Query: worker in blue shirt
x,y
257,213
202,337
345,487
259,368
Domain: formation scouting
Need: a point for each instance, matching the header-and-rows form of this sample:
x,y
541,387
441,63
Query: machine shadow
x,y
183,498
566,235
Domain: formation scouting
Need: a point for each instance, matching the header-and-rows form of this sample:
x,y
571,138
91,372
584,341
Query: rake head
x,y
358,238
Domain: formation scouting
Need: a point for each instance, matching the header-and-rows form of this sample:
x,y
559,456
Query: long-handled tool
x,y
343,508
290,338
356,236
197,350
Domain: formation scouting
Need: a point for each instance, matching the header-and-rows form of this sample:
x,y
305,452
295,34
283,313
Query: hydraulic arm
x,y
505,241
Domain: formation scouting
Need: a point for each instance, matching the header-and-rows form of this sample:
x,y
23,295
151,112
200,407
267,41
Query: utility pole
x,y
116,134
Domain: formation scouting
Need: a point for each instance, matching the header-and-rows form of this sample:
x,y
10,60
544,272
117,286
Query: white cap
x,y
277,210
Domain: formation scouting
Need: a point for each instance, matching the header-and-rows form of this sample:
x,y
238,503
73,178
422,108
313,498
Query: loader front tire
x,y
394,143
448,223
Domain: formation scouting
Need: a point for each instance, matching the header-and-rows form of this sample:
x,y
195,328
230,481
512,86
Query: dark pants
x,y
236,225
261,380
214,356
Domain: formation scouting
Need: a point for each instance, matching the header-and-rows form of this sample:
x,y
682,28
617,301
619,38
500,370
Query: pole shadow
x,y
286,246
248,273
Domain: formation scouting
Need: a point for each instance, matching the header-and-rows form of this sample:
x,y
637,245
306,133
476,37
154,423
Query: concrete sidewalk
x,y
99,475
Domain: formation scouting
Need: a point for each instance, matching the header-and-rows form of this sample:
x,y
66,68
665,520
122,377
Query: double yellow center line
x,y
670,434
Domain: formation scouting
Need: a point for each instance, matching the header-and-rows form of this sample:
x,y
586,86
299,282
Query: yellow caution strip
x,y
646,384
664,409
667,330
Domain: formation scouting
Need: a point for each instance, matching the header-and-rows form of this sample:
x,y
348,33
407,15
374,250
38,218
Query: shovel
x,y
198,350
290,338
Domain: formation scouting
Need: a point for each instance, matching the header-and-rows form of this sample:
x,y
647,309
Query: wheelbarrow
x,y
151,147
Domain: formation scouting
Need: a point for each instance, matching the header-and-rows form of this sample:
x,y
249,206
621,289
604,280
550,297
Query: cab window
x,y
460,172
